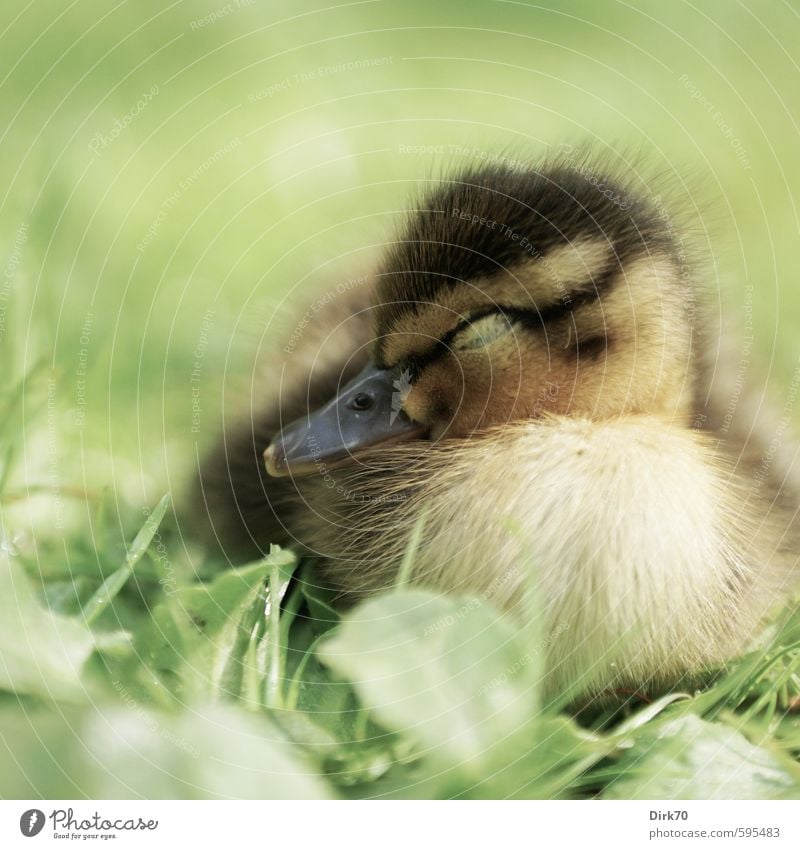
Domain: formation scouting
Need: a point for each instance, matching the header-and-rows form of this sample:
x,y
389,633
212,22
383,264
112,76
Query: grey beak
x,y
365,413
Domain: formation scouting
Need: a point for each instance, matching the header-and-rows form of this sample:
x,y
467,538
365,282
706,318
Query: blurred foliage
x,y
232,689
178,181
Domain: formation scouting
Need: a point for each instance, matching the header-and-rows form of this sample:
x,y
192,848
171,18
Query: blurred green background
x,y
178,178
171,172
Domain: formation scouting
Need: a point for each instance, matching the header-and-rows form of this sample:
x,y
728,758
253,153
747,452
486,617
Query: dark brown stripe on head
x,y
486,221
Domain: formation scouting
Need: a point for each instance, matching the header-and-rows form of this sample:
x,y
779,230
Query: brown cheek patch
x,y
482,388
435,396
455,397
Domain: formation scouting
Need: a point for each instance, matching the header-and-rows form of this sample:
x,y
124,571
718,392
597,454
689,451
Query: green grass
x,y
250,685
134,664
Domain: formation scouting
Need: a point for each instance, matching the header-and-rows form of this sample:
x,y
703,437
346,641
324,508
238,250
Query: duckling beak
x,y
366,412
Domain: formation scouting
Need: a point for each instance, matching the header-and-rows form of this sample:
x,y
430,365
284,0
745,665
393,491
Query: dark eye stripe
x,y
476,316
531,319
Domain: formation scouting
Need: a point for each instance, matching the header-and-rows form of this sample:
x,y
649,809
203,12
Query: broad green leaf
x,y
689,758
458,678
41,652
450,671
129,751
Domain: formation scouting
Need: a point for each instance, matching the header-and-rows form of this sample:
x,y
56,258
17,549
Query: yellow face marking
x,y
534,284
626,352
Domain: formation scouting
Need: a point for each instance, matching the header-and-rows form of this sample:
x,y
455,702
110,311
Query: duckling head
x,y
513,293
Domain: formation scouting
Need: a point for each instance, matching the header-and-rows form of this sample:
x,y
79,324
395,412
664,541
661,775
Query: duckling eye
x,y
481,332
361,402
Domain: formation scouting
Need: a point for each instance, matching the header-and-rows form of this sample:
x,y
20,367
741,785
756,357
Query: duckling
x,y
525,381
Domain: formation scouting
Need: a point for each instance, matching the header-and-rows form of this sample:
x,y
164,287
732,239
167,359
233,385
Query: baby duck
x,y
523,382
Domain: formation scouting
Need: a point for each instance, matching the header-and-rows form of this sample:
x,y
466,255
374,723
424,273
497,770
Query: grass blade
x,y
274,698
109,589
404,573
